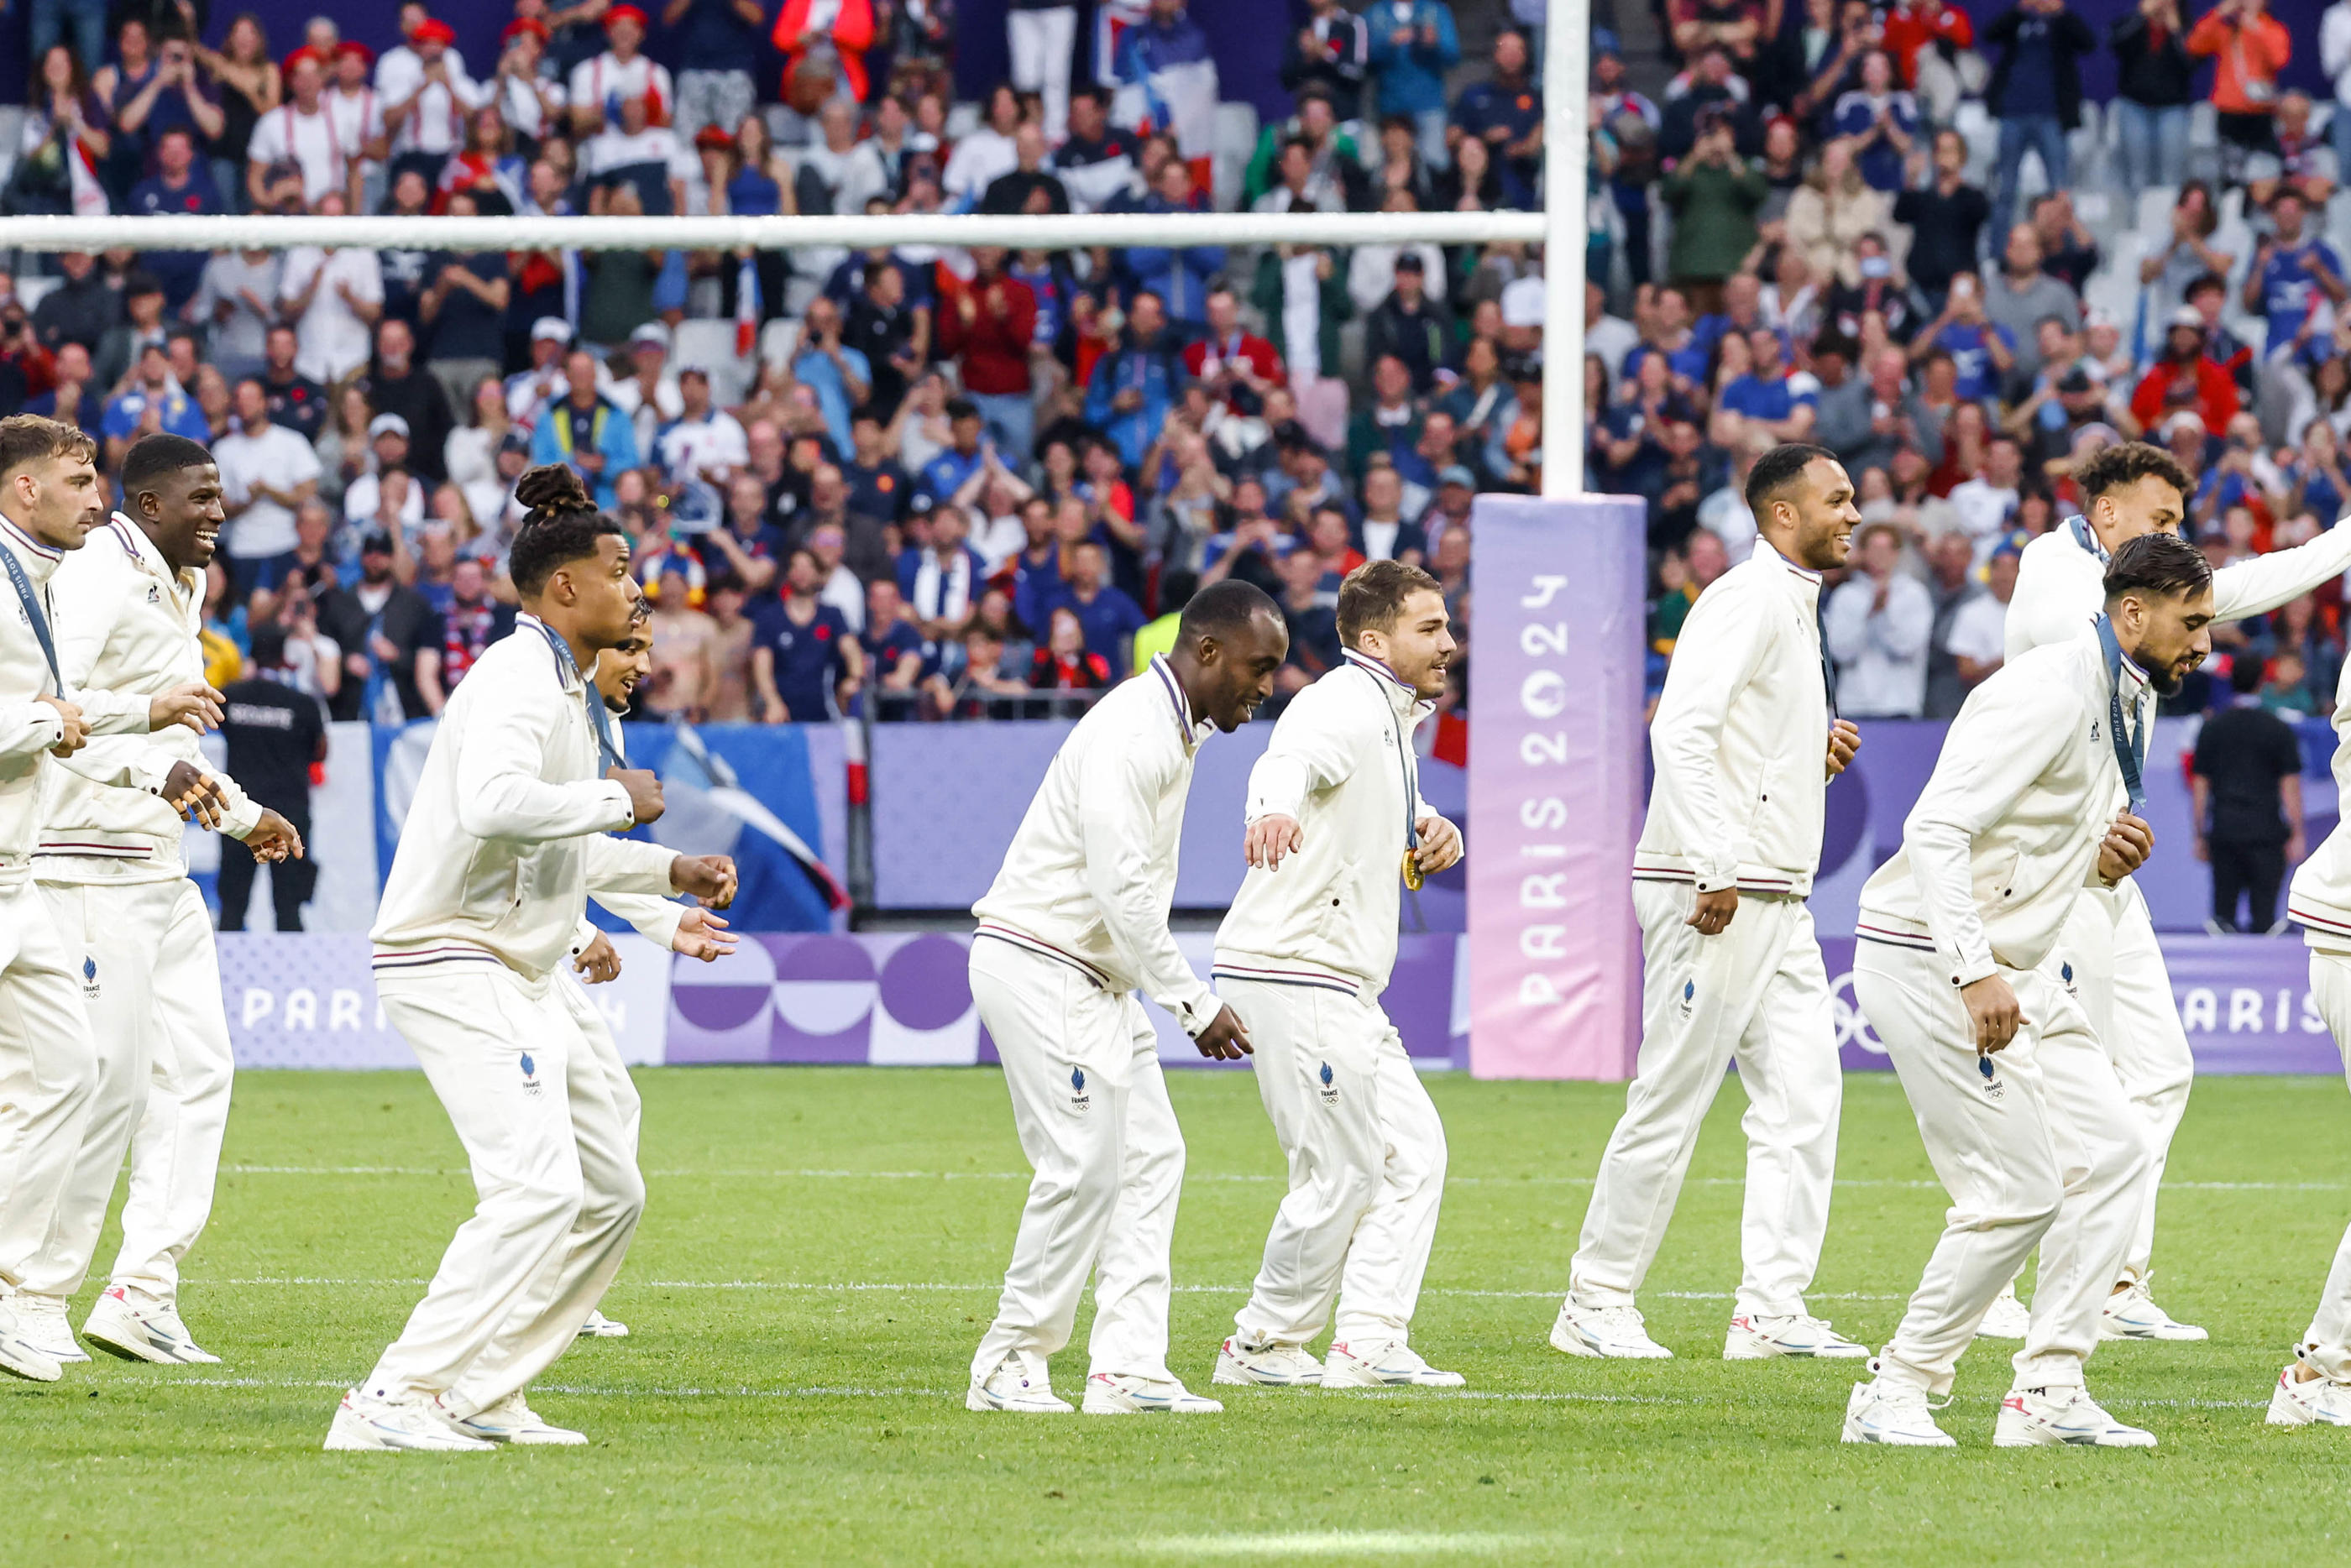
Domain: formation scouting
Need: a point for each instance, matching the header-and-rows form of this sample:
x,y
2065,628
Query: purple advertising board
x,y
1556,744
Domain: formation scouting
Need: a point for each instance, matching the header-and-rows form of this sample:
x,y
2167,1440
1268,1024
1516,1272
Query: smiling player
x,y
130,610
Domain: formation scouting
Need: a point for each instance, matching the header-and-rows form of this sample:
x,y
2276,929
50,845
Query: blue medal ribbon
x,y
2079,527
598,719
2130,755
32,603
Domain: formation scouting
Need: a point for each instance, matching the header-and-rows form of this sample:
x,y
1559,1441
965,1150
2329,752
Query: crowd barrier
x,y
308,1000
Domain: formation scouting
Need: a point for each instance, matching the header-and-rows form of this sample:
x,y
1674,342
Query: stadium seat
x,y
2155,204
711,345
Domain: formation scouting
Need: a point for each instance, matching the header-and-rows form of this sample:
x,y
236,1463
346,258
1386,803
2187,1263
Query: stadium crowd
x,y
917,483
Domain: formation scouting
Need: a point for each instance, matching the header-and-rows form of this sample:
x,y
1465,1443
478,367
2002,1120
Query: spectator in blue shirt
x,y
587,430
964,455
152,402
1413,45
1135,385
1506,113
2291,272
1880,120
1772,397
182,183
839,376
1981,350
1180,275
1109,618
897,653
802,651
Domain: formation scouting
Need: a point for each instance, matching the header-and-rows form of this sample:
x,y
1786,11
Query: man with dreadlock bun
x,y
511,828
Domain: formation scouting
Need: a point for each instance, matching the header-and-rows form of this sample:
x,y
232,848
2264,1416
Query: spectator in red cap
x,y
721,38
356,110
524,88
599,87
426,96
809,78
299,136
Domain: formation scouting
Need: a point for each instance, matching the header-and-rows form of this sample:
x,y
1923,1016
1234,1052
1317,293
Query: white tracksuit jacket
x,y
1090,875
2320,897
28,728
1328,914
511,823
2005,835
1740,737
2061,582
126,625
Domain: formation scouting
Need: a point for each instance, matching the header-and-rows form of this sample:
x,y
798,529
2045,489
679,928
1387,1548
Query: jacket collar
x,y
567,670
1178,704
134,542
39,560
1810,580
1407,702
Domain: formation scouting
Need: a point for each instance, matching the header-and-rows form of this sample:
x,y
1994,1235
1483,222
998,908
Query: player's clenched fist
x,y
76,728
2124,849
644,792
710,877
1225,1038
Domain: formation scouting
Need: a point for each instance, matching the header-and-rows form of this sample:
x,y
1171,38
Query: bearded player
x,y
2109,945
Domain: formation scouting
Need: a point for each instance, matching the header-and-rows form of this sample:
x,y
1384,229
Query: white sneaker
x,y
1894,1414
2321,1401
2008,1319
2032,1418
43,1321
364,1424
1271,1363
1395,1365
1612,1333
134,1332
512,1421
1019,1387
1762,1338
599,1327
2132,1314
1123,1394
20,1356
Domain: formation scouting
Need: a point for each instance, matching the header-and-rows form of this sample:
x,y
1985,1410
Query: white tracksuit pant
x,y
2047,1146
1366,1156
2327,1343
1082,1066
547,1121
2109,938
48,1077
1759,995
115,934
176,1148
1041,42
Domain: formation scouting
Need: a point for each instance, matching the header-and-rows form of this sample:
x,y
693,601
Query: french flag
x,y
747,307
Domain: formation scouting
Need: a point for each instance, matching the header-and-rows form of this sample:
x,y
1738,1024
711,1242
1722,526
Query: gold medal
x,y
1412,873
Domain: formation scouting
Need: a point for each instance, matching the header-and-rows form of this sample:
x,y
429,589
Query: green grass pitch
x,y
820,1255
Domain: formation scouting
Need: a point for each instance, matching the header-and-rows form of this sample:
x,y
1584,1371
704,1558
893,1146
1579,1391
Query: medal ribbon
x,y
598,719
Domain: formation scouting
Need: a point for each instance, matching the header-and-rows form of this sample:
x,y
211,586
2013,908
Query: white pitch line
x,y
1348,1544
1923,1184
944,1287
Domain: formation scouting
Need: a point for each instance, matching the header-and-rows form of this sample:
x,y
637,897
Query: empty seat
x,y
710,346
